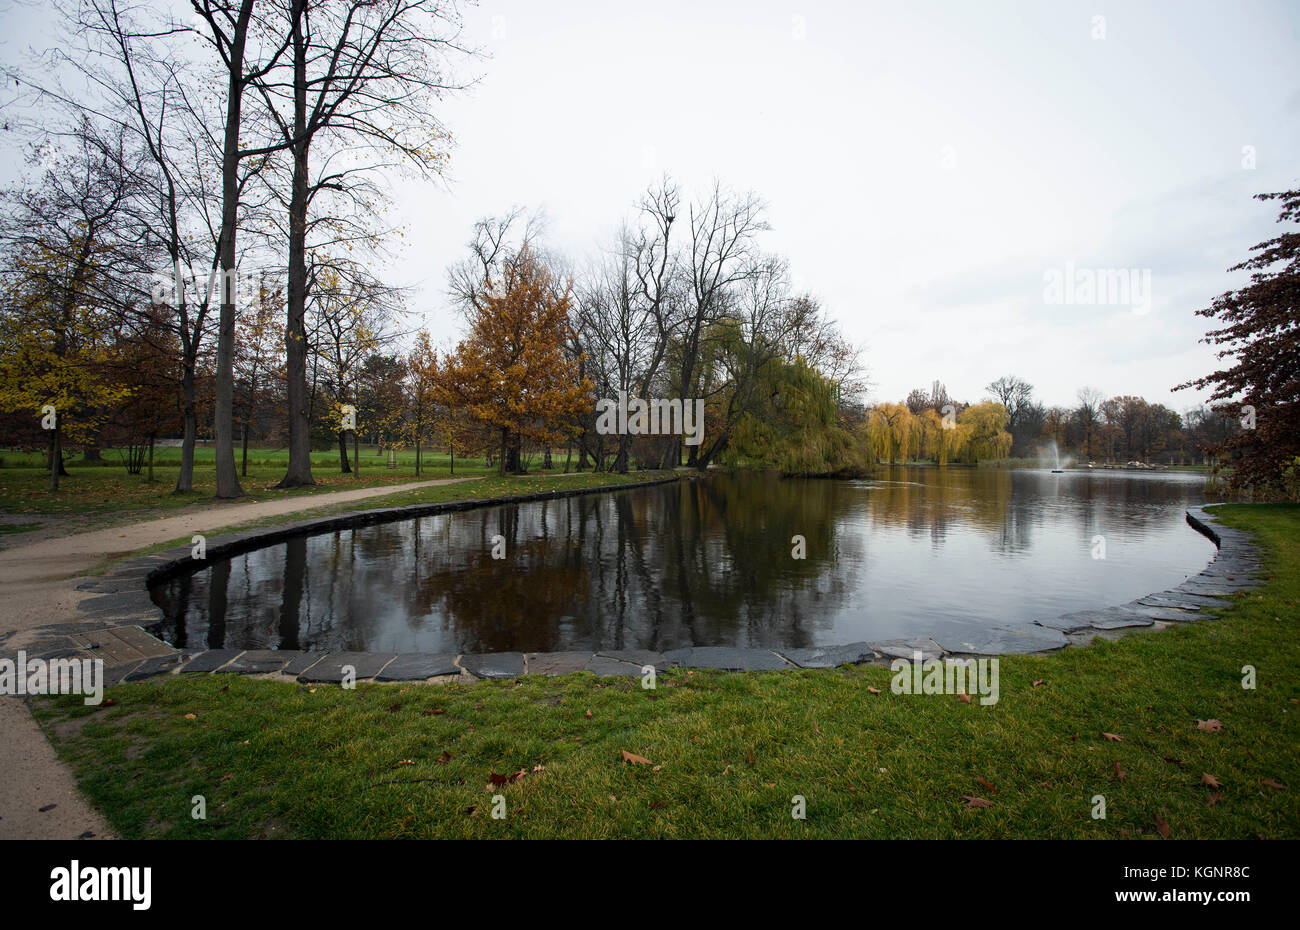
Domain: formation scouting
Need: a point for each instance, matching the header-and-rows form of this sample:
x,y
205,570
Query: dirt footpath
x,y
39,581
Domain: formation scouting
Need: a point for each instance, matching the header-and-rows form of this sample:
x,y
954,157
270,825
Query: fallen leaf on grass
x,y
1213,799
1041,681
972,801
191,717
1113,737
873,690
964,697
406,762
1162,827
635,759
394,708
432,711
655,805
1209,726
985,783
1119,772
588,715
1271,783
107,702
496,781
1209,780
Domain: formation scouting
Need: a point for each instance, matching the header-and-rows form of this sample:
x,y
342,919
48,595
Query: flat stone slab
x,y
417,666
908,648
1167,614
1179,599
1225,580
638,657
1105,618
830,656
728,658
994,641
209,661
495,665
262,661
605,667
150,668
301,662
121,644
116,674
557,663
335,666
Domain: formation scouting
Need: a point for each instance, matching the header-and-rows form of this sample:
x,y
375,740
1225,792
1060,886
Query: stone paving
x,y
120,613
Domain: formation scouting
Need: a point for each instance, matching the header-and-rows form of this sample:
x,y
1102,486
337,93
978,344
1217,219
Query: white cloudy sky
x,y
925,163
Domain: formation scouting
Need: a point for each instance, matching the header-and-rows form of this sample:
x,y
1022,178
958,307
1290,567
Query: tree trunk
x,y
151,440
185,480
223,414
295,341
56,456
344,467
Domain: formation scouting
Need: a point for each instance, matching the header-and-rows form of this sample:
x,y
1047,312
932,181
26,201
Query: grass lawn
x,y
727,752
106,486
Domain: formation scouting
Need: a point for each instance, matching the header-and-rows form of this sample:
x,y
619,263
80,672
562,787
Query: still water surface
x,y
708,562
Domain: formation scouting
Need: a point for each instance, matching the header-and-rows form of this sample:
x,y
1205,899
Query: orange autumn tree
x,y
512,375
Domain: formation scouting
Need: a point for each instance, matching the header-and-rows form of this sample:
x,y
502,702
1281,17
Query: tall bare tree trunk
x,y
295,342
189,414
223,415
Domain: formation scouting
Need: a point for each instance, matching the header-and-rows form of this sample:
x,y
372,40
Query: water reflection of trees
x,y
698,562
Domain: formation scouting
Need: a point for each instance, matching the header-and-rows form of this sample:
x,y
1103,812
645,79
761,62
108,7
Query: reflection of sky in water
x,y
708,563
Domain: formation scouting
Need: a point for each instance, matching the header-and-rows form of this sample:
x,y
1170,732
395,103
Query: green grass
x,y
729,751
89,488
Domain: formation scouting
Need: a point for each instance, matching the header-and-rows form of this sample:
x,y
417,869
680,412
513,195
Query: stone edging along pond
x,y
120,614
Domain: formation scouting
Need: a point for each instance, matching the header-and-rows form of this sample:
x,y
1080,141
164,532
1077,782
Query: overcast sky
x,y
926,164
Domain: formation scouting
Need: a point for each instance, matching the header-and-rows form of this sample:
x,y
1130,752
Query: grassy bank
x,y
727,752
105,486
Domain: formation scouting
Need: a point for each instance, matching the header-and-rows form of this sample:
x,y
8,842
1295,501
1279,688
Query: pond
x,y
708,562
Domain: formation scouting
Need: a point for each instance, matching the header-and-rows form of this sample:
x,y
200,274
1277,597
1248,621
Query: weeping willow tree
x,y
987,438
794,425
